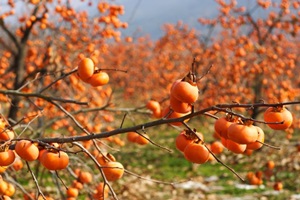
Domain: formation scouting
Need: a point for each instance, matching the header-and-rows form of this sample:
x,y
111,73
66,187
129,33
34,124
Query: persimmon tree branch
x,y
219,107
38,95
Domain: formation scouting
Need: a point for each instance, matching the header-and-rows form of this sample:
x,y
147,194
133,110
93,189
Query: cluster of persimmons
x,y
237,134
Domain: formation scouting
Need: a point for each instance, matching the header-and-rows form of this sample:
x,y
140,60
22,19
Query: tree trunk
x,y
18,67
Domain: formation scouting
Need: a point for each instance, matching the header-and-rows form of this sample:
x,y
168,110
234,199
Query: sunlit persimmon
x,y
113,171
85,177
7,157
270,164
184,138
179,106
10,191
105,157
196,153
241,133
101,191
72,192
221,126
86,69
98,79
77,184
27,150
131,136
185,92
54,160
216,147
278,186
18,164
170,114
6,134
260,140
153,105
142,139
235,147
3,186
278,118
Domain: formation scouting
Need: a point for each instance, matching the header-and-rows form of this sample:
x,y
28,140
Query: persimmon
x,y
184,138
242,133
258,143
3,186
131,136
77,184
142,139
185,92
85,177
270,164
98,79
196,153
7,157
278,186
10,191
166,113
101,191
221,126
56,160
86,69
5,197
113,170
2,169
216,147
105,157
235,147
18,164
72,192
179,106
6,134
152,105
278,118
27,150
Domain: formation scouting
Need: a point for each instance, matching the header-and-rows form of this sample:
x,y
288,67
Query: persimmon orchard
x,y
68,77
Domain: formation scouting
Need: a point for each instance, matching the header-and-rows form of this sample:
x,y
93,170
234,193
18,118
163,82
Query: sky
x,y
148,16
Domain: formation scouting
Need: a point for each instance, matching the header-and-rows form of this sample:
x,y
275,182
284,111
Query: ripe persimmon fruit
x,y
242,133
85,177
278,186
196,153
166,113
18,164
131,136
86,69
101,191
6,134
55,160
185,92
98,79
27,150
179,106
216,147
184,138
72,192
105,157
278,118
221,126
154,106
113,170
235,147
258,143
142,139
7,157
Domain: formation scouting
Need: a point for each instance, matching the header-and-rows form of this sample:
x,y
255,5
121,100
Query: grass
x,y
172,167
